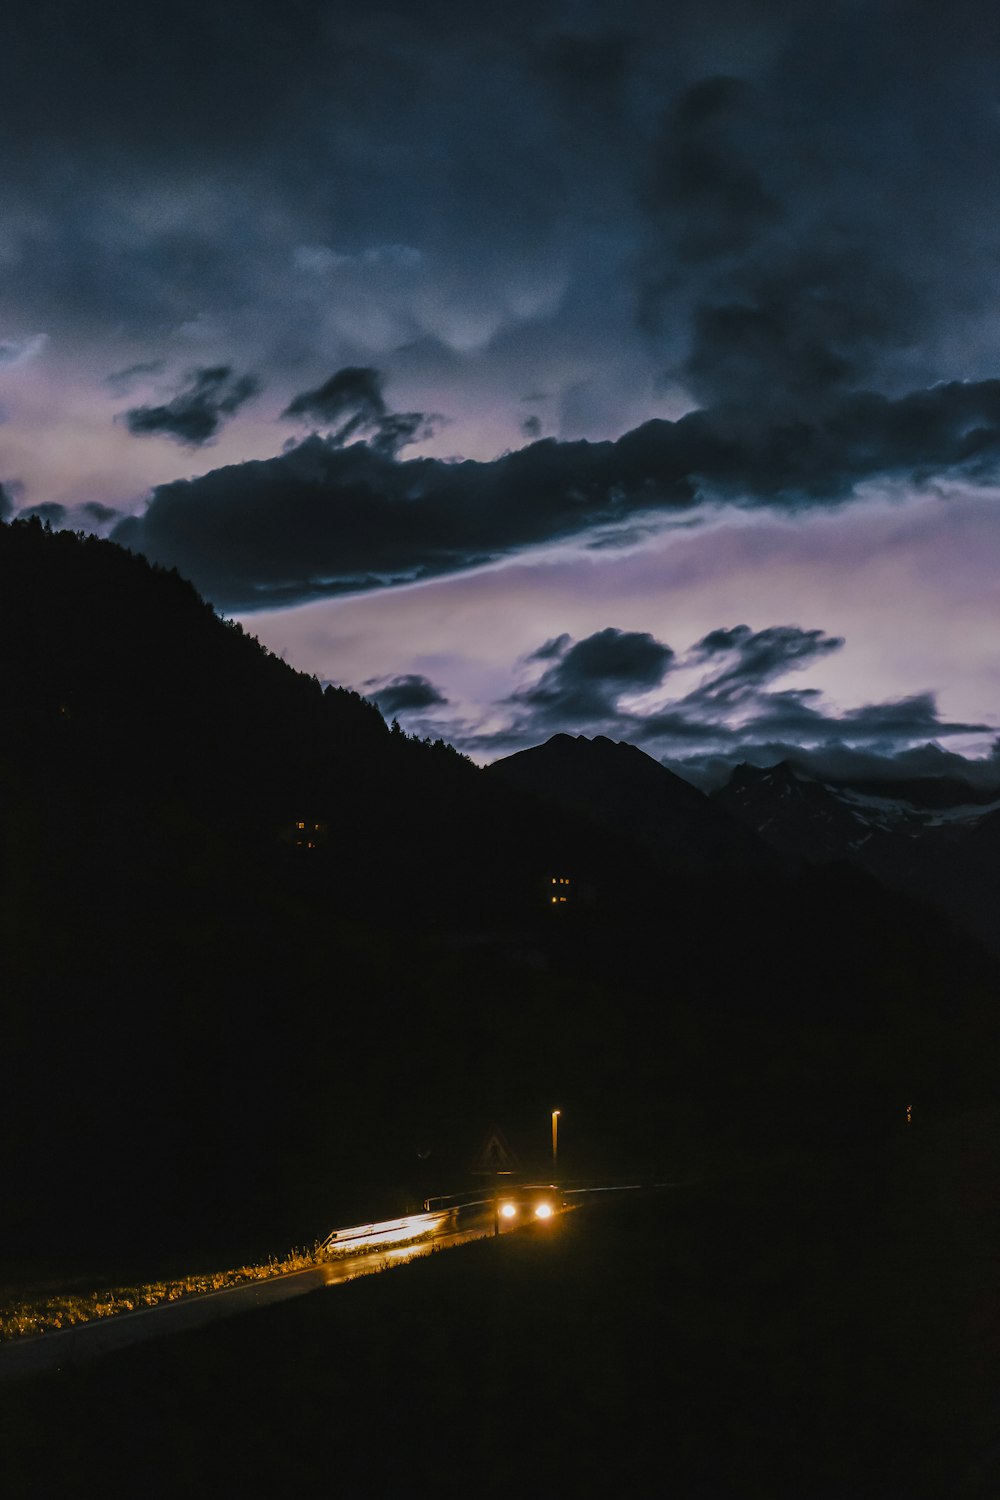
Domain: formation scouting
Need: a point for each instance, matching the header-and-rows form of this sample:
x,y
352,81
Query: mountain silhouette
x,y
617,785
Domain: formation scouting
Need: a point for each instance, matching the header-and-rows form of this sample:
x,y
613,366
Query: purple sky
x,y
722,277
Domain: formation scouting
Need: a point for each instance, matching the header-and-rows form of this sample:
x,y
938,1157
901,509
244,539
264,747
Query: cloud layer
x,y
325,518
760,241
352,402
195,415
622,684
408,693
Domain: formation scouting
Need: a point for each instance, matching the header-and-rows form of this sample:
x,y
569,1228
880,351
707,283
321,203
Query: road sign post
x,y
496,1160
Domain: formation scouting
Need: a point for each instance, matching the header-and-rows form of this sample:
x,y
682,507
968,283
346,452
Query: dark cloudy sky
x,y
628,368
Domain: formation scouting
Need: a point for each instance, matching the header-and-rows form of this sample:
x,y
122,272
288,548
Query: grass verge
x,y
27,1315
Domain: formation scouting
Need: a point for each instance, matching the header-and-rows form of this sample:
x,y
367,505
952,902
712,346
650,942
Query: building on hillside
x,y
305,833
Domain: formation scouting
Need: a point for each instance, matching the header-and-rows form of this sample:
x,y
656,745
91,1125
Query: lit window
x,y
554,900
300,825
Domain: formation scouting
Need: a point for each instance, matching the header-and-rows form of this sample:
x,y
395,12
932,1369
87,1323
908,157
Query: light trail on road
x,y
380,1246
68,1347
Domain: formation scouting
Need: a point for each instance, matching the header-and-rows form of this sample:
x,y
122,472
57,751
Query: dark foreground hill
x,y
266,963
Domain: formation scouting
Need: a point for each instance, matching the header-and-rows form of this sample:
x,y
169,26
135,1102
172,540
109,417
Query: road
x,y
68,1347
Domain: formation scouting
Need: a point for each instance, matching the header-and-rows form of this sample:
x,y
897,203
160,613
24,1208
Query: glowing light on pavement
x,y
387,1232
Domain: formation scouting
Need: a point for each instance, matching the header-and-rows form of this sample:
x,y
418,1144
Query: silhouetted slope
x,y
622,787
199,1008
116,679
215,1035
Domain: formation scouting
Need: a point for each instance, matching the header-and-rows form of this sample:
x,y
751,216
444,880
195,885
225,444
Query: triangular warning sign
x,y
496,1157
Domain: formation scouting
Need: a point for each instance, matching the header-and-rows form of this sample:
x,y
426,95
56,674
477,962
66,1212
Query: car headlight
x,y
543,1210
508,1210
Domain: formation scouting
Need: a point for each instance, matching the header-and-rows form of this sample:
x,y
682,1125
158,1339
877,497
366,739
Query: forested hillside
x,y
216,1034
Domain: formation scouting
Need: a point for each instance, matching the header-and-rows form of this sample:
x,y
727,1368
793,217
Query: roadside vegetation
x,y
27,1315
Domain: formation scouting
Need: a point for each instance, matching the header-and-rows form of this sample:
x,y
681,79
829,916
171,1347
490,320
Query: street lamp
x,y
555,1139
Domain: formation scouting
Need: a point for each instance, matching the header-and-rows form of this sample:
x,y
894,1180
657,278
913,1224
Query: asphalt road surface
x,y
66,1347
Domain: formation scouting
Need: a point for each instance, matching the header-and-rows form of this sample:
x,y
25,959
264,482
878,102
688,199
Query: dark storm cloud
x,y
723,165
795,234
786,307
705,191
197,412
187,152
905,719
552,648
354,393
733,714
754,658
325,519
410,692
353,398
101,514
105,71
797,199
589,72
586,679
796,332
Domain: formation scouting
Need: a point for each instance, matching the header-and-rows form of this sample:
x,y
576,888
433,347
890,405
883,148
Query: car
x,y
526,1203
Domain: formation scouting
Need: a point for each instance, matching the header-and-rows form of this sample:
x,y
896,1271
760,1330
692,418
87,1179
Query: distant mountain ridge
x,y
937,838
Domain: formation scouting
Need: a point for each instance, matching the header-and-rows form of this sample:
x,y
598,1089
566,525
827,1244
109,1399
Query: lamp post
x,y
555,1139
